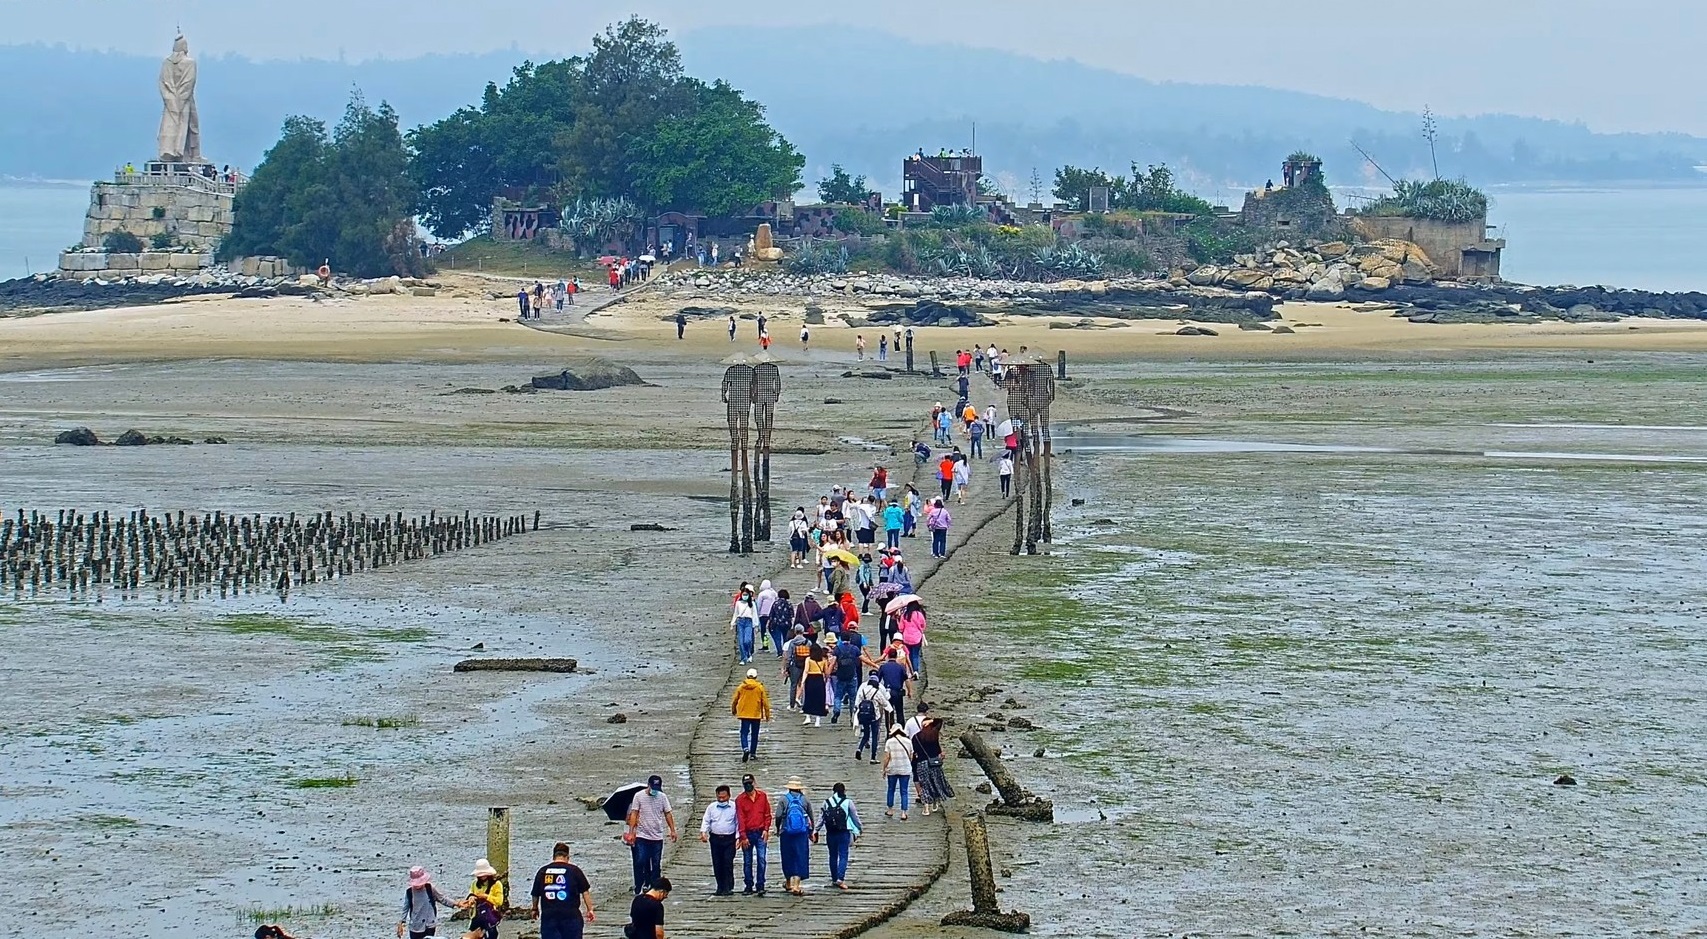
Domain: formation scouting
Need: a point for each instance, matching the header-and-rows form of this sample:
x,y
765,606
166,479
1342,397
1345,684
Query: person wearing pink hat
x,y
421,904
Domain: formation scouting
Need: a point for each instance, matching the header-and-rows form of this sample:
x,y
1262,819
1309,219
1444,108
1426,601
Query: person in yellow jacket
x,y
752,704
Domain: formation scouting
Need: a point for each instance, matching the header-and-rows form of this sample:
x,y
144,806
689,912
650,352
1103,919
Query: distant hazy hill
x,y
859,98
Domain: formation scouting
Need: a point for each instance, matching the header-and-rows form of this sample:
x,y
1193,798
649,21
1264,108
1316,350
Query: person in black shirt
x,y
646,914
560,890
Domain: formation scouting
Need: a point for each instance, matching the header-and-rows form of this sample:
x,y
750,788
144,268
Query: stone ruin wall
x,y
1443,242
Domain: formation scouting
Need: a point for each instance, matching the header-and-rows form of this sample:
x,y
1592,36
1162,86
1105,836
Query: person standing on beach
x,y
753,815
681,326
720,827
732,327
794,831
799,529
894,522
763,323
871,709
962,478
945,474
911,504
975,430
751,705
649,818
560,892
859,346
1005,471
838,823
805,339
522,301
883,348
937,520
646,913
879,485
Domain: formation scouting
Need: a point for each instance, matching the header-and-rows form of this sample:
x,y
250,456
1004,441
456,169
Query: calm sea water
x,y
1650,238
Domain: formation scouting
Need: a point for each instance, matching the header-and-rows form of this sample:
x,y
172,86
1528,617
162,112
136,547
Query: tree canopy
x,y
347,197
1148,190
623,122
839,187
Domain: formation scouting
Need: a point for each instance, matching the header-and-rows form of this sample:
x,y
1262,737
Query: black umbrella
x,y
616,804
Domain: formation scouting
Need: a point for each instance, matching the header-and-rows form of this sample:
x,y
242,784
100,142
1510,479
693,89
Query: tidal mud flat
x,y
1256,673
1313,658
289,757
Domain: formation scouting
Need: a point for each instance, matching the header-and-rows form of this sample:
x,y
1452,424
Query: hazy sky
x,y
1613,64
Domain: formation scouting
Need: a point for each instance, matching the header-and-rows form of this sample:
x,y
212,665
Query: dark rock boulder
x,y
132,438
80,437
589,375
216,440
928,313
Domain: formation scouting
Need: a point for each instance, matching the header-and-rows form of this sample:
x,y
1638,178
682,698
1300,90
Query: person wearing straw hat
x,y
898,770
794,831
486,900
421,904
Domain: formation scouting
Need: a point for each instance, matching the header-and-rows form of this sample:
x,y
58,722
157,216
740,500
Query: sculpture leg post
x,y
734,490
746,493
762,509
1048,482
1020,473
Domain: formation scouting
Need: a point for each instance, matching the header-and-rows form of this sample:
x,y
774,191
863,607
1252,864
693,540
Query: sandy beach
x,y
463,324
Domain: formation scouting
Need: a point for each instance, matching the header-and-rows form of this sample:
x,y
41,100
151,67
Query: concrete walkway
x,y
894,862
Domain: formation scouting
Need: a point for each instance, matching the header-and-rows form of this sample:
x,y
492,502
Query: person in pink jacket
x,y
912,631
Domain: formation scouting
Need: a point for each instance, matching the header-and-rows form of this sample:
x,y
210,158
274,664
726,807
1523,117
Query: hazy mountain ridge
x,y
860,98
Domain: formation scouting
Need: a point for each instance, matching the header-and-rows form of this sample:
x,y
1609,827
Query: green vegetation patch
x,y
326,782
383,723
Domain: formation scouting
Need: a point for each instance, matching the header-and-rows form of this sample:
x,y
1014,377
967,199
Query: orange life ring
x,y
324,272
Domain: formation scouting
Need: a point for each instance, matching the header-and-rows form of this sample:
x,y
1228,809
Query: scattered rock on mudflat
x,y
588,375
132,438
1565,779
80,437
617,718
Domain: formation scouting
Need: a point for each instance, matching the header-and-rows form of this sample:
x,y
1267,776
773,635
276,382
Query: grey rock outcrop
x,y
588,375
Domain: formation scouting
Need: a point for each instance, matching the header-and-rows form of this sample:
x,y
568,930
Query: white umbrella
x,y
901,603
1005,429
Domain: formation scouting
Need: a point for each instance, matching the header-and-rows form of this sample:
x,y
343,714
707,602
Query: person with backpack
x,y
751,705
871,707
798,542
780,619
933,785
421,904
794,831
560,891
898,770
794,656
845,675
838,821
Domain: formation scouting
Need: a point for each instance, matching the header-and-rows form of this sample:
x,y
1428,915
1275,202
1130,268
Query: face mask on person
x,y
747,786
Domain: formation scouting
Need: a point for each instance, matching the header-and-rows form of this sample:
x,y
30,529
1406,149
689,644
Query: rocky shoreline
x,y
1385,276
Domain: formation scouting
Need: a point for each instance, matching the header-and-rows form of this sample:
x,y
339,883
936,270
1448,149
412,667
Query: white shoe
x,y
806,722
817,722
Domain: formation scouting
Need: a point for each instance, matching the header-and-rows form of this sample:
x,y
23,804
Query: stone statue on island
x,y
180,127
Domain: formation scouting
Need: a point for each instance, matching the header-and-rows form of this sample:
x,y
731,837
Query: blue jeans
x,y
749,735
880,493
648,863
779,634
909,524
914,656
892,537
977,446
870,735
754,852
939,541
562,927
744,629
839,843
903,785
842,695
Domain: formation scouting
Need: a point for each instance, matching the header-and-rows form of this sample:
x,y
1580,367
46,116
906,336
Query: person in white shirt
x,y
719,828
1005,469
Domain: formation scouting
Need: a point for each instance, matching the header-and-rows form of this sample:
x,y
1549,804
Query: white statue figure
x,y
180,128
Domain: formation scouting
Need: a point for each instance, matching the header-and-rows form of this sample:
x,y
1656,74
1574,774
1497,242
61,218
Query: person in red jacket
x,y
945,474
753,816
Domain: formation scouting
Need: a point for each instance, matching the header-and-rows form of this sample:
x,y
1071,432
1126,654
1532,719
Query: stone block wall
x,y
87,264
193,217
1444,242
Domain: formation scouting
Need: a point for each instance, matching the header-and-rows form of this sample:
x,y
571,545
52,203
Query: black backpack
x,y
835,817
867,711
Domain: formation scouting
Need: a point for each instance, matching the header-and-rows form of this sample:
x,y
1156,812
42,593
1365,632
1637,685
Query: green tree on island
x,y
346,197
623,122
1148,190
839,187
